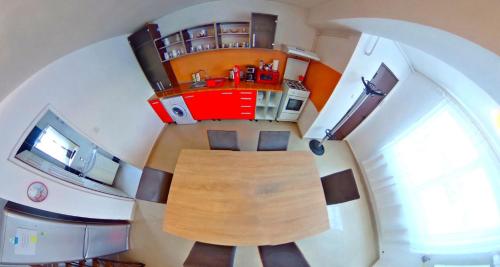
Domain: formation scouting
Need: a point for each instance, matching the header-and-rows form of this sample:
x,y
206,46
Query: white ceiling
x,y
303,3
33,33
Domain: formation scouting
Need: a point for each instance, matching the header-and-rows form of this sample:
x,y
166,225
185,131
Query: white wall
x,y
336,51
350,86
292,28
101,92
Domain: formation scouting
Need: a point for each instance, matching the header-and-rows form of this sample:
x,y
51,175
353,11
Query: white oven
x,y
294,100
295,94
294,104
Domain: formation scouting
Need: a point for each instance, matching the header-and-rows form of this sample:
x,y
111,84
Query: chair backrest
x,y
154,185
285,255
223,140
273,140
340,187
209,255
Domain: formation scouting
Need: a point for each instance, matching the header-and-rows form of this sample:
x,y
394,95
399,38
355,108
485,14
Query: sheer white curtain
x,y
436,188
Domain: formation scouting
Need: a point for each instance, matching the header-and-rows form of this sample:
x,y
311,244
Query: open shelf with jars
x,y
171,46
220,35
200,38
233,34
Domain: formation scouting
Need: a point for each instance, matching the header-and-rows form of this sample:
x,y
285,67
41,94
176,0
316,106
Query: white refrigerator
x,y
37,239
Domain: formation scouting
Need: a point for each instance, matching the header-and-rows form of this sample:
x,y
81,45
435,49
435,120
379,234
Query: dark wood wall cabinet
x,y
148,51
383,80
263,30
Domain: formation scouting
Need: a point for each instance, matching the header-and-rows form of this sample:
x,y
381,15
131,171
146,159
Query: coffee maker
x,y
250,73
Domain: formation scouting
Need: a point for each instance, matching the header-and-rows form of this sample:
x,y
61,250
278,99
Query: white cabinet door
x,y
102,239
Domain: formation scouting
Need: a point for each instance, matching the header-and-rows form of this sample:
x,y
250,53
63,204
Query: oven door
x,y
294,104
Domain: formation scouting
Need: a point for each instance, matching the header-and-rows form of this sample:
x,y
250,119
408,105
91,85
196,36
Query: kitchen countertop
x,y
185,88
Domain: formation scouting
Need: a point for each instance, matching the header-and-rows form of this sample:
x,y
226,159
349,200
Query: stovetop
x,y
292,84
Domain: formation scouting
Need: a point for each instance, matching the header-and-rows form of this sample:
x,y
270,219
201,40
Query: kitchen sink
x,y
198,84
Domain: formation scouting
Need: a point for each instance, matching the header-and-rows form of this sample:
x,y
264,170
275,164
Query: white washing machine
x,y
178,110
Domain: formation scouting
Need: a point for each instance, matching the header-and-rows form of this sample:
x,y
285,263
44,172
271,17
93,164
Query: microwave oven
x,y
267,76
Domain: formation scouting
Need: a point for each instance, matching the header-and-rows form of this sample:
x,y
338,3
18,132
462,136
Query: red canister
x,y
236,70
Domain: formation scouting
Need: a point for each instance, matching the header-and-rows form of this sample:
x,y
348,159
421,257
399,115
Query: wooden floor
x,y
176,137
350,242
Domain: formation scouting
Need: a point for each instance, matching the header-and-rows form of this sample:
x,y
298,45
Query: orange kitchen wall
x,y
321,80
217,63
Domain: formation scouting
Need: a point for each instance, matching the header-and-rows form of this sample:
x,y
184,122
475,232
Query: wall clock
x,y
37,191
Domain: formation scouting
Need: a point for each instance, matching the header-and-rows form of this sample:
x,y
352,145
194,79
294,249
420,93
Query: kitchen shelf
x,y
240,34
267,105
260,113
168,36
261,98
199,38
176,36
168,59
247,47
216,38
234,33
172,44
216,49
274,99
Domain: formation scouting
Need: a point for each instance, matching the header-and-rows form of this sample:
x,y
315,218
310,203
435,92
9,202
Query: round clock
x,y
37,191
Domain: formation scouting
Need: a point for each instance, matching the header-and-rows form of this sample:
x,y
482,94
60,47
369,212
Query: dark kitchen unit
x,y
149,50
382,83
263,30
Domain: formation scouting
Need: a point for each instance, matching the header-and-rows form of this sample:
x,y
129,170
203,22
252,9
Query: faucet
x,y
202,70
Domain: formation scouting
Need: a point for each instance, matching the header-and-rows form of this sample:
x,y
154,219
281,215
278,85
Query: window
x,y
56,145
450,187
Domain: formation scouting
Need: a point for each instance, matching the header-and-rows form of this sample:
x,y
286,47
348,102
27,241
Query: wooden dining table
x,y
245,197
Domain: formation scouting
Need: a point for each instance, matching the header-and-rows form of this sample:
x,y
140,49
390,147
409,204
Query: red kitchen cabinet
x,y
233,104
222,104
160,110
245,104
198,104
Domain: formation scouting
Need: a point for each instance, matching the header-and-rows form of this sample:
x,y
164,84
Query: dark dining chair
x,y
208,255
285,255
340,187
223,140
154,185
273,140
